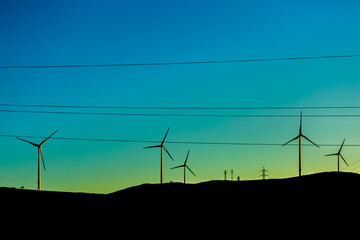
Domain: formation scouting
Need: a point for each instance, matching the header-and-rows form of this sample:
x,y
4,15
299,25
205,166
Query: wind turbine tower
x,y
299,137
161,146
185,166
338,154
40,153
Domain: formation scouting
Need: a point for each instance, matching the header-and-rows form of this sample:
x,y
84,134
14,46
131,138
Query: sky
x,y
108,32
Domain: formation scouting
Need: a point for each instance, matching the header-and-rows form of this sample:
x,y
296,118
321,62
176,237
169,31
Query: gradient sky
x,y
105,32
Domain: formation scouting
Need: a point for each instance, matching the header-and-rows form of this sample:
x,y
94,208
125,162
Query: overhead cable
x,y
185,115
180,107
174,142
180,63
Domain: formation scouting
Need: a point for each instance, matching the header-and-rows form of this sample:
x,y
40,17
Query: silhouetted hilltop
x,y
327,186
310,189
253,206
15,194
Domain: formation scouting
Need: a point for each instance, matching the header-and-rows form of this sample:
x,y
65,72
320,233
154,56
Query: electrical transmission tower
x,y
263,173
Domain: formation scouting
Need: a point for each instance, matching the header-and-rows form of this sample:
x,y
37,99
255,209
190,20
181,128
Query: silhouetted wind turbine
x,y
185,166
161,146
299,137
338,154
40,152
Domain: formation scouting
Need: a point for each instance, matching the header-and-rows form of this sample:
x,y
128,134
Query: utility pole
x,y
263,173
225,175
232,173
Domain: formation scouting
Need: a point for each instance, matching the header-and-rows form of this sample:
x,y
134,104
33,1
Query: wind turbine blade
x,y
344,160
162,143
187,157
178,166
291,140
310,141
47,138
153,146
342,145
190,170
42,157
334,154
34,144
300,129
168,153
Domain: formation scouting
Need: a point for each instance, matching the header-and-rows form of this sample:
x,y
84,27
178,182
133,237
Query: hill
x,y
256,205
294,194
319,186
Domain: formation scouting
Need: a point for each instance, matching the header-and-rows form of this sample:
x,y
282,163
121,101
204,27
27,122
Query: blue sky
x,y
102,32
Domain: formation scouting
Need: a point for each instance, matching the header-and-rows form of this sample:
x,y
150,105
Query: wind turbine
x,y
161,146
40,152
299,137
185,166
338,154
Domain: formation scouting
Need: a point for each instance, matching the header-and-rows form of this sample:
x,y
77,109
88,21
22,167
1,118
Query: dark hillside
x,y
315,192
320,188
245,207
317,184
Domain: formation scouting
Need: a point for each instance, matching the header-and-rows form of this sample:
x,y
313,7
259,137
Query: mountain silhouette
x,y
318,184
287,200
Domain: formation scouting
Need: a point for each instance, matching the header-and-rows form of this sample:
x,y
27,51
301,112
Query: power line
x,y
184,115
179,107
180,63
353,166
173,142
